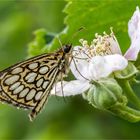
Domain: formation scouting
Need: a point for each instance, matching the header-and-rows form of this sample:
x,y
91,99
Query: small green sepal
x,y
127,73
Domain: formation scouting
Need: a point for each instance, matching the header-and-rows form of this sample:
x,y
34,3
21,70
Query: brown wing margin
x,y
4,99
44,99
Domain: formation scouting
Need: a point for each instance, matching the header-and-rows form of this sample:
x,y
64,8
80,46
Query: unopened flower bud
x,y
105,93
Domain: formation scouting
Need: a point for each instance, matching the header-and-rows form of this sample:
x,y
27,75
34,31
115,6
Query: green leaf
x,y
41,39
99,16
95,16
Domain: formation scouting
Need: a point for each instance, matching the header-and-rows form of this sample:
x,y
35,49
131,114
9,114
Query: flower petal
x,y
133,51
116,62
79,64
98,68
134,33
103,66
134,24
70,88
115,47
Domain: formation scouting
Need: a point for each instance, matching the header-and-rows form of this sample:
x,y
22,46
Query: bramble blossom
x,y
100,59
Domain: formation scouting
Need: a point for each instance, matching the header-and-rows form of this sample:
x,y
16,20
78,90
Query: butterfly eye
x,y
67,48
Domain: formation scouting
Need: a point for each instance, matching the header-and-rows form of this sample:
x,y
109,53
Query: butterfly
x,y
28,84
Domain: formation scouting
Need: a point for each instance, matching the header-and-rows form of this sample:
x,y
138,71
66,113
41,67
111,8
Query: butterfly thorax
x,y
64,61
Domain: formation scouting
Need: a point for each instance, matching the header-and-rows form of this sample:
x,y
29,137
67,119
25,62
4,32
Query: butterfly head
x,y
67,48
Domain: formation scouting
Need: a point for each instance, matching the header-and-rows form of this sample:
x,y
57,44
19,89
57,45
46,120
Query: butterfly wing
x,y
28,84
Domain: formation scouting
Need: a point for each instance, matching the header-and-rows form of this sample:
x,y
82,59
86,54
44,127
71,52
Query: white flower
x,y
91,63
134,33
99,59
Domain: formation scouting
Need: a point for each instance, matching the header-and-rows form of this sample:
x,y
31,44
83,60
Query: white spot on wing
x,y
33,66
45,84
24,92
19,89
11,79
43,70
31,77
31,94
17,70
38,95
14,86
39,82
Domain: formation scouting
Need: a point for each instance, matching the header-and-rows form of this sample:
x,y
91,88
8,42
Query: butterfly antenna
x,y
77,32
59,41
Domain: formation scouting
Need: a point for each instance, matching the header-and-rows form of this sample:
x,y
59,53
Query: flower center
x,y
101,45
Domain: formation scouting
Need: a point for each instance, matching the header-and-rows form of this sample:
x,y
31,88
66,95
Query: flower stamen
x,y
100,46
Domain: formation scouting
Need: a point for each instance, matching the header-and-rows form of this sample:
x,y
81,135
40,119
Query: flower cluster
x,y
103,73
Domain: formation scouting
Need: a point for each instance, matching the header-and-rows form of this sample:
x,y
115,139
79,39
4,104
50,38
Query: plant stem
x,y
126,113
130,93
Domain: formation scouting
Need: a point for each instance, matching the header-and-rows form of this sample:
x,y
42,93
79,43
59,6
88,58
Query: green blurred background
x,y
73,119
